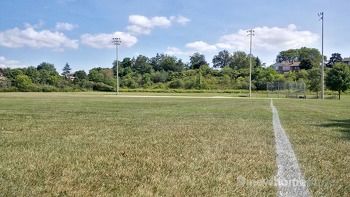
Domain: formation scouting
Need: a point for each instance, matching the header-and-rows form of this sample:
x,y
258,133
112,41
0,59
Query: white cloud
x,y
136,30
180,19
176,51
269,38
267,42
103,40
139,24
201,46
30,37
61,26
143,25
4,62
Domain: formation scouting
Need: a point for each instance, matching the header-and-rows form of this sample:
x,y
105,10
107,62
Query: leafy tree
x,y
33,74
160,77
170,63
336,57
11,74
222,59
262,76
102,75
288,55
48,67
66,70
125,67
23,82
311,54
197,60
80,75
314,80
146,80
156,62
338,78
257,63
309,57
142,65
48,74
306,64
239,60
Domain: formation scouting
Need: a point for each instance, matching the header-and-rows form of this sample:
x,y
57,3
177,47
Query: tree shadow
x,y
343,125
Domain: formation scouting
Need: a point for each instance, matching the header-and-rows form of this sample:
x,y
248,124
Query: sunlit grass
x,y
89,144
320,133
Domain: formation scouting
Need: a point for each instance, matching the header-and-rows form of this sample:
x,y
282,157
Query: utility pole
x,y
250,34
117,42
321,15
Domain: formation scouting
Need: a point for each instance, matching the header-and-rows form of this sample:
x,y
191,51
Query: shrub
x,y
176,84
103,87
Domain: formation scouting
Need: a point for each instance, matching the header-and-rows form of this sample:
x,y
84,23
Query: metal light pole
x,y
251,34
321,15
117,42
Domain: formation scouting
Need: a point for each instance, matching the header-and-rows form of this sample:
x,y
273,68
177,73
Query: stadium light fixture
x,y
117,42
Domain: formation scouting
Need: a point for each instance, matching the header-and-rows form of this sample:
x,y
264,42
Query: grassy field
x,y
96,144
320,133
89,144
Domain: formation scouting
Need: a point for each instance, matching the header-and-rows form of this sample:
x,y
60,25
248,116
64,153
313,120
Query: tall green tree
x,y
314,80
222,59
336,57
142,65
33,74
48,74
258,63
305,64
197,60
338,78
66,70
170,63
80,75
239,60
288,55
48,67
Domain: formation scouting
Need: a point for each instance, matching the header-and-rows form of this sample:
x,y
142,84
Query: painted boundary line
x,y
290,180
187,97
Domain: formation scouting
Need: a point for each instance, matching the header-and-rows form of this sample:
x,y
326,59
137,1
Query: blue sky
x,y
79,31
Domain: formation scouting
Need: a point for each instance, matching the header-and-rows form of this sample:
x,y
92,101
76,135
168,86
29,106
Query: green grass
x,y
95,144
320,133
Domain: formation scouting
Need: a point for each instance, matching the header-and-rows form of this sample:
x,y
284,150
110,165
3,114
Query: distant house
x,y
70,77
346,60
286,66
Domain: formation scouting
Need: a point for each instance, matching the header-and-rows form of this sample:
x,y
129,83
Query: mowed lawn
x,y
320,134
89,144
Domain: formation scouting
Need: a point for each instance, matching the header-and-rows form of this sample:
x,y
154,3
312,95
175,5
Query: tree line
x,y
229,71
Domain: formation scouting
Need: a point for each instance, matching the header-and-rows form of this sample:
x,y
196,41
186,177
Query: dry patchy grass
x,y
86,144
320,133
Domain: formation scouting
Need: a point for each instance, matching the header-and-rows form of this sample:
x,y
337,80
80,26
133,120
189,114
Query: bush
x,y
103,87
23,83
177,84
189,84
48,88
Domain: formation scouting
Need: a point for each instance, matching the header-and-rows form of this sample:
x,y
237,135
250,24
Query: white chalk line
x,y
290,180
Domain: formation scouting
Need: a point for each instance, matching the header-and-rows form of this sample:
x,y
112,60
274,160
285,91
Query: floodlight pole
x,y
117,42
250,34
321,15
